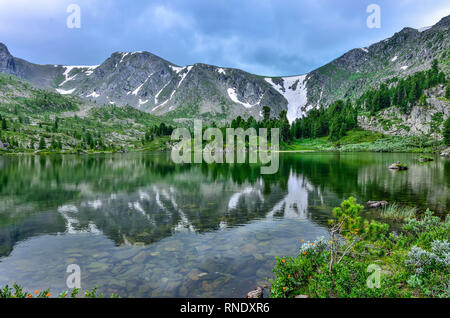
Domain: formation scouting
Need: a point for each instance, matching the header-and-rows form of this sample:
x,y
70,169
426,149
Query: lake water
x,y
140,226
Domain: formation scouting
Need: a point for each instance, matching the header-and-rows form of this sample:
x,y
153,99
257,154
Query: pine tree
x,y
42,144
4,124
441,78
376,102
266,113
385,98
434,73
55,125
285,128
54,144
90,140
447,132
447,92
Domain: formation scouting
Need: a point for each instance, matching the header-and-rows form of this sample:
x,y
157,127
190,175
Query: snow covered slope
x,y
294,90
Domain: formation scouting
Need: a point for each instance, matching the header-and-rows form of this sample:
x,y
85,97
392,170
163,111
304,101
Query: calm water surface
x,y
140,226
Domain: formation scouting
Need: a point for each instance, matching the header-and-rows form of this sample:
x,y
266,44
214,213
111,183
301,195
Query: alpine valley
x,y
131,91
93,203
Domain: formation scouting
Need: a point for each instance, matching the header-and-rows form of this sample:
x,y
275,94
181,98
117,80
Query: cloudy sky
x,y
267,37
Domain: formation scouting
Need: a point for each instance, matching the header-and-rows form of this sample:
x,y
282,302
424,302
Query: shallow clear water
x,y
140,226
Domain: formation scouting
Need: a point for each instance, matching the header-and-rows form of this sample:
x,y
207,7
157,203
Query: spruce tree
x,y
266,113
447,132
447,92
55,125
42,143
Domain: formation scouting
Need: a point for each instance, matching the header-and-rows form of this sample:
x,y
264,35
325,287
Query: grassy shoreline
x,y
355,141
366,141
366,259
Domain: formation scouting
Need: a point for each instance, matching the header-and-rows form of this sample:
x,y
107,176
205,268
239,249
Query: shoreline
x,y
361,254
44,153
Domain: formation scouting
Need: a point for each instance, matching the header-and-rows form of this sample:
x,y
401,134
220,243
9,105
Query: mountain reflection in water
x,y
228,217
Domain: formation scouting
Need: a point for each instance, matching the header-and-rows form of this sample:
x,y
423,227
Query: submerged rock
x,y
425,159
377,204
139,258
257,293
210,285
398,166
195,274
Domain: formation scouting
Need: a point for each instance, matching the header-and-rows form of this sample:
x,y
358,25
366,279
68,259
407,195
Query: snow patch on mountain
x,y
394,58
123,57
424,28
93,94
136,91
90,69
183,76
66,74
157,94
176,69
65,92
233,96
295,92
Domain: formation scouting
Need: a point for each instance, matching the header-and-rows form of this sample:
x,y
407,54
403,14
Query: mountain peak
x,y
444,22
408,30
7,64
4,49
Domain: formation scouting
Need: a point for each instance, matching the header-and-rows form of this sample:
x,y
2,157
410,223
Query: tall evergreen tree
x,y
55,125
266,113
42,144
446,132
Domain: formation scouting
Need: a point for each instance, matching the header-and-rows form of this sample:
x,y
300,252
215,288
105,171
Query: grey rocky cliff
x,y
152,84
420,121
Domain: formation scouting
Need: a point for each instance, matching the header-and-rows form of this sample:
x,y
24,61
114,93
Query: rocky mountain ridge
x,y
152,84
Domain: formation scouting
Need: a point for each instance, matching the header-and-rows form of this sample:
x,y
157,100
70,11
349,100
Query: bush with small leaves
x,y
431,269
414,262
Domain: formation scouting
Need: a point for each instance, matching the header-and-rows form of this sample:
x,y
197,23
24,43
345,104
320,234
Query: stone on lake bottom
x,y
139,258
398,166
377,204
195,274
257,293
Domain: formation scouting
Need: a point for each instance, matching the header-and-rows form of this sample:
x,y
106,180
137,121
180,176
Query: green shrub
x,y
18,291
430,269
414,262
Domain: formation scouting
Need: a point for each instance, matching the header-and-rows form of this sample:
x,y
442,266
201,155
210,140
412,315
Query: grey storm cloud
x,y
267,37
